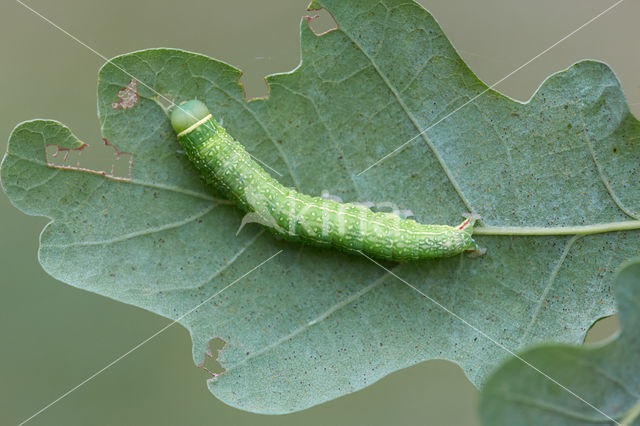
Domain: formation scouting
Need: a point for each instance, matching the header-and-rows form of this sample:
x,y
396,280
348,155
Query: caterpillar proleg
x,y
224,163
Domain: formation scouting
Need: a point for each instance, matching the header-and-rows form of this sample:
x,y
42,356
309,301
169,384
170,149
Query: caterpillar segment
x,y
224,163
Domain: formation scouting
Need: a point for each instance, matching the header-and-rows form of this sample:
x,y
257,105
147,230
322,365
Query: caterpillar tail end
x,y
470,220
187,114
467,226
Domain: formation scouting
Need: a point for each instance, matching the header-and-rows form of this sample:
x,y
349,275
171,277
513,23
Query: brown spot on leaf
x,y
128,96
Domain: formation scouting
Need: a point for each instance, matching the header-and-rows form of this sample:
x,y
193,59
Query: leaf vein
x,y
313,322
550,282
135,234
422,135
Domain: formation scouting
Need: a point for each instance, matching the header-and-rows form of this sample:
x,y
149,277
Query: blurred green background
x,y
53,336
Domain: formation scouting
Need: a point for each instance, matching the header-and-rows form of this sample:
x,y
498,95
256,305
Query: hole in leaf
x,y
321,22
210,364
254,87
104,159
603,329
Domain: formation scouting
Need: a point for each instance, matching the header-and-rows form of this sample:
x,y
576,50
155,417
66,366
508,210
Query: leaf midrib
x,y
506,230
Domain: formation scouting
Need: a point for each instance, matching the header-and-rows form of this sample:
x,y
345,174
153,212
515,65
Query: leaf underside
x,y
314,324
606,376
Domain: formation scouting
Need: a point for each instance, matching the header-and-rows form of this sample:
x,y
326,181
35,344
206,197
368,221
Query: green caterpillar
x,y
225,163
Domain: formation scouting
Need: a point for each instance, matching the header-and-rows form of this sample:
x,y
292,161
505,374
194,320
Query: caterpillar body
x,y
223,162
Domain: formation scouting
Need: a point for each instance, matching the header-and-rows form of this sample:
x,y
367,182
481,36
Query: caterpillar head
x,y
188,113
